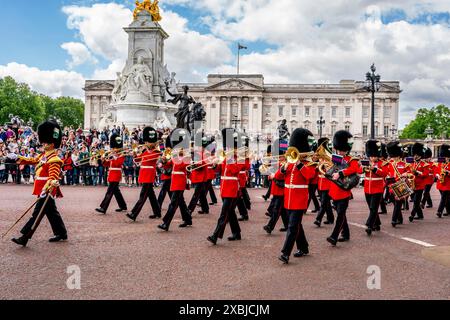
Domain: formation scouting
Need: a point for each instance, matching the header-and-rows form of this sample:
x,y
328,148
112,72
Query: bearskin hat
x,y
373,148
444,151
418,149
394,149
428,153
301,139
231,138
384,153
342,141
115,142
50,132
150,135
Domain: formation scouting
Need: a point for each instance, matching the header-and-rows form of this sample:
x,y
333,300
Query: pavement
x,y
112,258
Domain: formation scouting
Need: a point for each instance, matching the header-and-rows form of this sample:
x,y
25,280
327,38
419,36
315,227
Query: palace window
x,y
386,131
334,112
387,112
348,111
376,131
320,112
347,128
333,129
377,111
281,111
307,111
294,111
364,130
365,112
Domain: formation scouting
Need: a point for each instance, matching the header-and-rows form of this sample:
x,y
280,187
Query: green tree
x,y
69,110
18,99
438,118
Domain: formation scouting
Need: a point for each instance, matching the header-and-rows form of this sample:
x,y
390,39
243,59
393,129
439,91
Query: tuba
x,y
330,167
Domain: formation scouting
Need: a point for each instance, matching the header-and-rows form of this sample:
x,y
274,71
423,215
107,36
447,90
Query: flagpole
x,y
239,53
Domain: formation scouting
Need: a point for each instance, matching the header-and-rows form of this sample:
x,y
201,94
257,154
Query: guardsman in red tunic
x,y
244,203
342,143
385,162
276,208
212,172
229,187
397,169
420,170
442,172
115,164
147,174
199,174
298,175
46,184
374,173
323,187
165,168
181,160
429,181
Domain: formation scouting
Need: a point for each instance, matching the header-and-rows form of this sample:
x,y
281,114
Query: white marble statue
x,y
140,78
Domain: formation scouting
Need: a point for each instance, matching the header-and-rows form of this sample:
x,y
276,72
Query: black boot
x,y
243,218
267,229
21,241
155,216
164,227
212,239
58,238
332,241
301,253
284,258
101,210
317,223
131,216
235,237
185,225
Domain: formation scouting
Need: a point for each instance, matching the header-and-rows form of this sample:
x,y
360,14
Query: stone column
x,y
229,114
87,112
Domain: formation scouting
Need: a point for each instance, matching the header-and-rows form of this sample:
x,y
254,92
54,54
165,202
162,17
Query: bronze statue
x,y
283,130
183,113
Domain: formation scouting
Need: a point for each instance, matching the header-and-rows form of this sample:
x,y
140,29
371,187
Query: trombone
x,y
210,160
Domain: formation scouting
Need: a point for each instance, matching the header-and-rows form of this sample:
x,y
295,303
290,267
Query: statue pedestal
x,y
133,115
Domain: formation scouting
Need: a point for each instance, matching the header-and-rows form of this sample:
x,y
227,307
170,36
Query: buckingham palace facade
x,y
248,103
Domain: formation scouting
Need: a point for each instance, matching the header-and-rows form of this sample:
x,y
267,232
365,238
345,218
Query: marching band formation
x,y
392,172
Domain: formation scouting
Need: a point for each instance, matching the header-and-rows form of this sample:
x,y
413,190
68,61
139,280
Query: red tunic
x,y
200,175
229,183
115,169
437,171
430,178
243,174
167,166
48,167
421,171
337,193
401,168
296,192
147,173
276,190
315,179
179,174
374,182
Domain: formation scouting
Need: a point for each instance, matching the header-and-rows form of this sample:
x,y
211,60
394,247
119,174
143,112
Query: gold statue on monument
x,y
150,7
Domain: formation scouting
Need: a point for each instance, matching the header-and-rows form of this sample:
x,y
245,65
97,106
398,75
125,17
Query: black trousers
x,y
445,202
113,190
177,201
295,233
373,201
341,226
228,214
312,188
246,198
277,210
241,207
165,189
53,216
147,192
427,196
397,216
417,209
325,207
211,191
200,193
269,190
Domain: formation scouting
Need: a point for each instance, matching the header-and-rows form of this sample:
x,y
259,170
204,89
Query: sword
x,y
21,217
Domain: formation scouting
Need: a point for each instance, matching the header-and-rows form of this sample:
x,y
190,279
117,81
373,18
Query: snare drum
x,y
401,189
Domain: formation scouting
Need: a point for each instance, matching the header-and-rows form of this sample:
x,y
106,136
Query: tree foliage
x,y
19,100
437,118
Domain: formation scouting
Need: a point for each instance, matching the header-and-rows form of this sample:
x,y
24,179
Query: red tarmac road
x,y
123,260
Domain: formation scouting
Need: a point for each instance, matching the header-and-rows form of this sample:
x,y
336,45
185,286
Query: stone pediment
x,y
235,84
384,88
99,85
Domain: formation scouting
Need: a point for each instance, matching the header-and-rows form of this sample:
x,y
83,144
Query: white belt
x,y
373,179
322,176
41,178
178,172
147,167
115,169
243,172
230,178
296,186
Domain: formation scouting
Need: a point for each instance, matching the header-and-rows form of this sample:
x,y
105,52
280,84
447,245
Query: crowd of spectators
x,y
77,146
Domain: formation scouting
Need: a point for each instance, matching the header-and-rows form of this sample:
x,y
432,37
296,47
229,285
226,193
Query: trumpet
x,y
293,155
97,155
210,160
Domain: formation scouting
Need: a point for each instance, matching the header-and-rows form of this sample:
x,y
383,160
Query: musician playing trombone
x,y
374,171
114,160
442,172
46,185
148,159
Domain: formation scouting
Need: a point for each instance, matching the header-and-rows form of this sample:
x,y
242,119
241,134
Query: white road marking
x,y
419,242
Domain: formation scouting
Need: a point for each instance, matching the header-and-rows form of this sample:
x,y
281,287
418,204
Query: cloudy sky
x,y
54,45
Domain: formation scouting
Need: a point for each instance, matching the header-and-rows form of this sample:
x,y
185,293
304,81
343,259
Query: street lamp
x,y
373,85
320,124
235,121
429,132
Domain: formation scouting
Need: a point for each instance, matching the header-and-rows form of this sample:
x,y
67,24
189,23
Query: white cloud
x,y
79,54
54,83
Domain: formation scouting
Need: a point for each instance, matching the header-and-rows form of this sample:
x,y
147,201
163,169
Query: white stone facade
x,y
246,102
